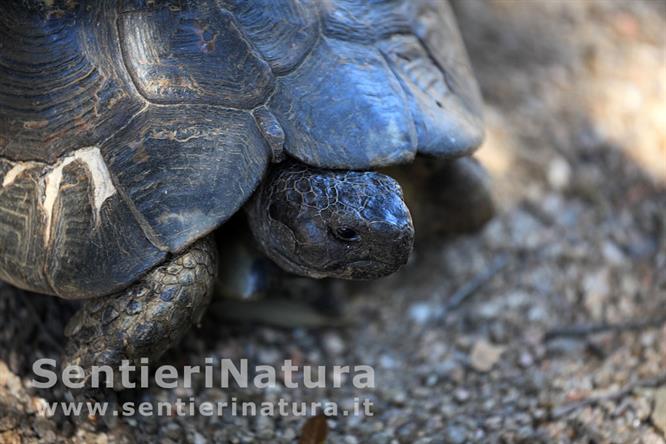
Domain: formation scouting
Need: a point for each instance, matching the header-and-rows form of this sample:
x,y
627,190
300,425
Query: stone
x,y
559,173
485,355
596,290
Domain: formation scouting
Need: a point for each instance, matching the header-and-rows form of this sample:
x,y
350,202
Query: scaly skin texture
x,y
328,223
147,318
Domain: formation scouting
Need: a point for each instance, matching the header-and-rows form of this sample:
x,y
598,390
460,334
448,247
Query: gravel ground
x,y
548,326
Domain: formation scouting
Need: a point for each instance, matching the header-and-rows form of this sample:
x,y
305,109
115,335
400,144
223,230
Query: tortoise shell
x,y
129,129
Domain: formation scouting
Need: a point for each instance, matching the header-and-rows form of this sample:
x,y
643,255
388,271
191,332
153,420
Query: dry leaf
x,y
315,430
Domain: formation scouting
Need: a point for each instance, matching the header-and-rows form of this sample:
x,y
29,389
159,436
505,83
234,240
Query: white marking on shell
x,y
102,185
15,172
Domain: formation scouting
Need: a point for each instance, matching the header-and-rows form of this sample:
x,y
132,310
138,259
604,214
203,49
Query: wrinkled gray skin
x,y
327,223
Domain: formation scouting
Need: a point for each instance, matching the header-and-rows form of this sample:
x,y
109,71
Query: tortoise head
x,y
327,223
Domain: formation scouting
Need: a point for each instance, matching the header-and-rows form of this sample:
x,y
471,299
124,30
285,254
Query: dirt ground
x,y
548,326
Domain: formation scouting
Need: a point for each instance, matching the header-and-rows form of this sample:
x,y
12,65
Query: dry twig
x,y
564,410
476,283
592,329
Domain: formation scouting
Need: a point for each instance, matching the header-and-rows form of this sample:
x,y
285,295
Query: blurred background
x,y
548,326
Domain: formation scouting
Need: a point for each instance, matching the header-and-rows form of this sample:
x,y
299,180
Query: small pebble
x,y
485,355
559,173
461,395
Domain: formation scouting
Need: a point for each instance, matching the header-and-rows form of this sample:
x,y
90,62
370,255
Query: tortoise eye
x,y
346,234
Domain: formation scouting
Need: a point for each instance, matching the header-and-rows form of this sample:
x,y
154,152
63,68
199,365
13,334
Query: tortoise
x,y
130,130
